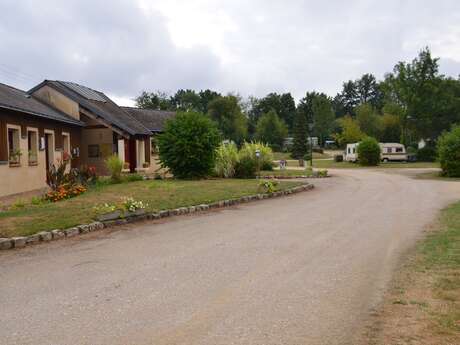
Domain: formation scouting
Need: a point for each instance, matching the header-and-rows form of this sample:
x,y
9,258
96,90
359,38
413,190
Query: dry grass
x,y
423,307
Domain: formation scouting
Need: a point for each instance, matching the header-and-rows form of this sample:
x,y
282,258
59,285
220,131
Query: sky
x,y
248,47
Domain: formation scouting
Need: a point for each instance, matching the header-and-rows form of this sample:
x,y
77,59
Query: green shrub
x,y
226,159
132,178
449,152
115,166
268,186
188,145
369,152
246,167
426,154
265,160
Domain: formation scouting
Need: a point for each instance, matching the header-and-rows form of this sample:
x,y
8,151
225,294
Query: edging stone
x,y
45,236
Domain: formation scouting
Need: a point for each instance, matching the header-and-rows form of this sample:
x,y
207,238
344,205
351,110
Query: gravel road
x,y
304,269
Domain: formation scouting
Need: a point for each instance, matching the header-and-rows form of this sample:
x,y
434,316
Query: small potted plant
x,y
15,157
33,160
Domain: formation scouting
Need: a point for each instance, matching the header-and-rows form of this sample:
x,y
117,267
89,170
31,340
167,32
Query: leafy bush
x,y
115,166
449,152
57,176
85,175
265,160
426,154
268,186
132,178
369,152
188,145
226,160
246,167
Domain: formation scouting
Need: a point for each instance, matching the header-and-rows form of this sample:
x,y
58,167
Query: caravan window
x,y
349,150
399,149
388,149
354,150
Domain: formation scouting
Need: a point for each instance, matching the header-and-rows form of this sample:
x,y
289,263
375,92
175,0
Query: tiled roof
x,y
154,120
99,104
15,99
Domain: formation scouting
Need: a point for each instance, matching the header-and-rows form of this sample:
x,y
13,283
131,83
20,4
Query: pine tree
x,y
300,143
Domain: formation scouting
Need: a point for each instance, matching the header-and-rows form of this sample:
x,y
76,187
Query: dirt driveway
x,y
305,269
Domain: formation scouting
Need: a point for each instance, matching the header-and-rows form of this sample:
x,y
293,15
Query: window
x,y
388,149
13,146
32,147
93,151
349,150
399,150
354,150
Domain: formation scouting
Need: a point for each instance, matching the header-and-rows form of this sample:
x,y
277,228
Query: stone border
x,y
46,236
292,177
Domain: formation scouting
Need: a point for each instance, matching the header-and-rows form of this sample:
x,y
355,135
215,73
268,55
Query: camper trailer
x,y
351,152
388,152
393,152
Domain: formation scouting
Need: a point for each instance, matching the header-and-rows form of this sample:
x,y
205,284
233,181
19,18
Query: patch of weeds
x,y
400,301
132,178
450,321
418,303
18,204
38,200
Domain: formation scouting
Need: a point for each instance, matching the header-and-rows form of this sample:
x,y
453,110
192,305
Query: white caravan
x,y
393,152
388,152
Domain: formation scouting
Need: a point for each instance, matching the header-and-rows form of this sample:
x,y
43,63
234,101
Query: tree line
x,y
412,102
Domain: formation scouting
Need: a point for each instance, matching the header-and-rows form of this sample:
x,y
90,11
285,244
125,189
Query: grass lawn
x,y
425,303
435,175
287,156
27,219
286,172
331,164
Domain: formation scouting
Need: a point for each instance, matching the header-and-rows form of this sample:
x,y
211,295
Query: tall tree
x,y
369,120
300,135
323,117
206,97
271,130
417,88
154,100
186,100
349,131
226,112
282,104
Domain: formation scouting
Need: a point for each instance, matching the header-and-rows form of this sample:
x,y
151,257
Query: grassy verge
x,y
424,307
27,218
287,156
283,173
435,175
331,164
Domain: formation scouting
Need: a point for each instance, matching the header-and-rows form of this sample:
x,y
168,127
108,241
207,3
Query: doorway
x,y
49,150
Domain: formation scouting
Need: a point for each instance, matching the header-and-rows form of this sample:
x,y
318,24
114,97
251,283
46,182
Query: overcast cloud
x,y
250,47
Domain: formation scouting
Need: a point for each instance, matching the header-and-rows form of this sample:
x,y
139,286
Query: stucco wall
x,y
58,100
25,178
97,136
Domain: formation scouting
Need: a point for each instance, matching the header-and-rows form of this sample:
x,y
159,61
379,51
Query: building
x,y
56,117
